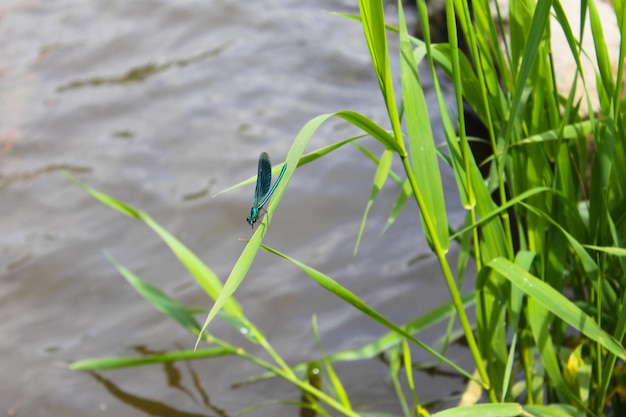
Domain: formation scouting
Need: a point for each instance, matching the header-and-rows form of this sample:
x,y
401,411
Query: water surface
x,y
161,104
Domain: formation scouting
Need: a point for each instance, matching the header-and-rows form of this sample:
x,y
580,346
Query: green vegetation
x,y
550,261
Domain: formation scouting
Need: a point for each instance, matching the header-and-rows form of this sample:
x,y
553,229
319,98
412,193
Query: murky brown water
x,y
162,104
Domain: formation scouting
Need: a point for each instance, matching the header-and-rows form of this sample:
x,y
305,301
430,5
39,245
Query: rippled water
x,y
161,105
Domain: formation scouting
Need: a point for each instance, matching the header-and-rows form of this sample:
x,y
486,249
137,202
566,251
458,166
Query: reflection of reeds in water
x,y
141,73
27,176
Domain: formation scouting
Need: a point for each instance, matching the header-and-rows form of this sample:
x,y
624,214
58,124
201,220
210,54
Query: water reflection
x,y
27,176
162,139
143,72
174,380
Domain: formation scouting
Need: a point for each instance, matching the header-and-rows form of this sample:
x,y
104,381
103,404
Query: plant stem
x,y
447,272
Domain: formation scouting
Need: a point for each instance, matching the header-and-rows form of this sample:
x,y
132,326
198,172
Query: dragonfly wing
x,y
269,195
263,180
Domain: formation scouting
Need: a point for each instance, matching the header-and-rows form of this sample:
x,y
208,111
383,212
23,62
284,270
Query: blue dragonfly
x,y
263,192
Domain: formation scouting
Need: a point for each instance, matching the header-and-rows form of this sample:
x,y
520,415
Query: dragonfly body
x,y
264,188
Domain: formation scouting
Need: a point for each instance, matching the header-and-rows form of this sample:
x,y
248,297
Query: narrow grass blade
x,y
483,410
389,340
524,260
395,364
458,147
608,249
588,264
392,338
334,287
487,217
373,22
403,196
602,54
557,304
240,269
205,277
554,410
176,311
375,414
574,46
420,139
443,56
340,391
305,159
540,322
377,132
376,161
570,131
405,191
161,301
535,34
242,325
128,362
382,172
299,404
408,368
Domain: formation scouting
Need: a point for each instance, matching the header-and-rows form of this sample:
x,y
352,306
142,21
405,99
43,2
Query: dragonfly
x,y
263,192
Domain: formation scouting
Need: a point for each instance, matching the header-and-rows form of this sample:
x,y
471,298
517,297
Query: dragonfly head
x,y
254,214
